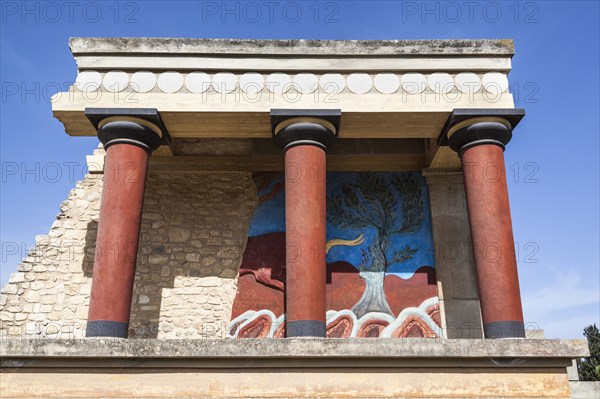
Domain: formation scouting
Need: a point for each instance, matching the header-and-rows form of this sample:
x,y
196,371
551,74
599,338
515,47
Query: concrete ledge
x,y
297,348
291,353
290,368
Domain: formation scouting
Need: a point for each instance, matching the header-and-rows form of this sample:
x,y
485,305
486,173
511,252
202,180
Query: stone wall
x,y
193,236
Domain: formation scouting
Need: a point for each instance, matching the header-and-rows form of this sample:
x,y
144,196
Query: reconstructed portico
x,y
396,113
300,189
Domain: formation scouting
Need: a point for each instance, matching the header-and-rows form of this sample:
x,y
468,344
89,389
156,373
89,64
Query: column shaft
x,y
493,242
305,168
117,239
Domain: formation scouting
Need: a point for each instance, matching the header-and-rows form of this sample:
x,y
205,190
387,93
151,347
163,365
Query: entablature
x,y
225,88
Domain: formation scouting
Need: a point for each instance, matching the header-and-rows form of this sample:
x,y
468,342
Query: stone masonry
x,y
192,239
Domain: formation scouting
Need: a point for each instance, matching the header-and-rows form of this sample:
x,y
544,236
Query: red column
x,y
129,139
123,188
480,142
305,136
305,222
493,242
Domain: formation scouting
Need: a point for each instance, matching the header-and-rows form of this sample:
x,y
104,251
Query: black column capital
x,y
466,128
318,127
138,126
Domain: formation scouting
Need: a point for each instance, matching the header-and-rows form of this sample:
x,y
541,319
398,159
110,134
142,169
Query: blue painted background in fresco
x,y
269,217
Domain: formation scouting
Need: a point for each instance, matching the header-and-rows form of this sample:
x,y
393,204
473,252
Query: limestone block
x,y
16,278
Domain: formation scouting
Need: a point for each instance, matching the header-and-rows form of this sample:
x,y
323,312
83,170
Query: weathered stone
x,y
93,196
158,259
158,225
54,316
16,278
65,206
55,233
193,257
179,234
215,300
72,289
152,216
6,316
24,267
74,267
82,203
32,296
9,289
49,299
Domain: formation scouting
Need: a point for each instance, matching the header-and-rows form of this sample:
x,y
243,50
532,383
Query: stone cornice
x,y
490,47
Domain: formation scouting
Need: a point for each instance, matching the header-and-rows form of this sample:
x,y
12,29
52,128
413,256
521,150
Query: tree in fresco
x,y
369,201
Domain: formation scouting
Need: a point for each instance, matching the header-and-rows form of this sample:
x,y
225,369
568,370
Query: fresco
x,y
380,261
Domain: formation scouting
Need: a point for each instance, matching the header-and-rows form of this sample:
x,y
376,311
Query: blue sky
x,y
553,158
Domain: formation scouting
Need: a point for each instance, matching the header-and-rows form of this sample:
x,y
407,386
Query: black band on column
x,y
130,132
504,329
106,328
305,328
318,127
138,126
480,133
305,134
467,127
